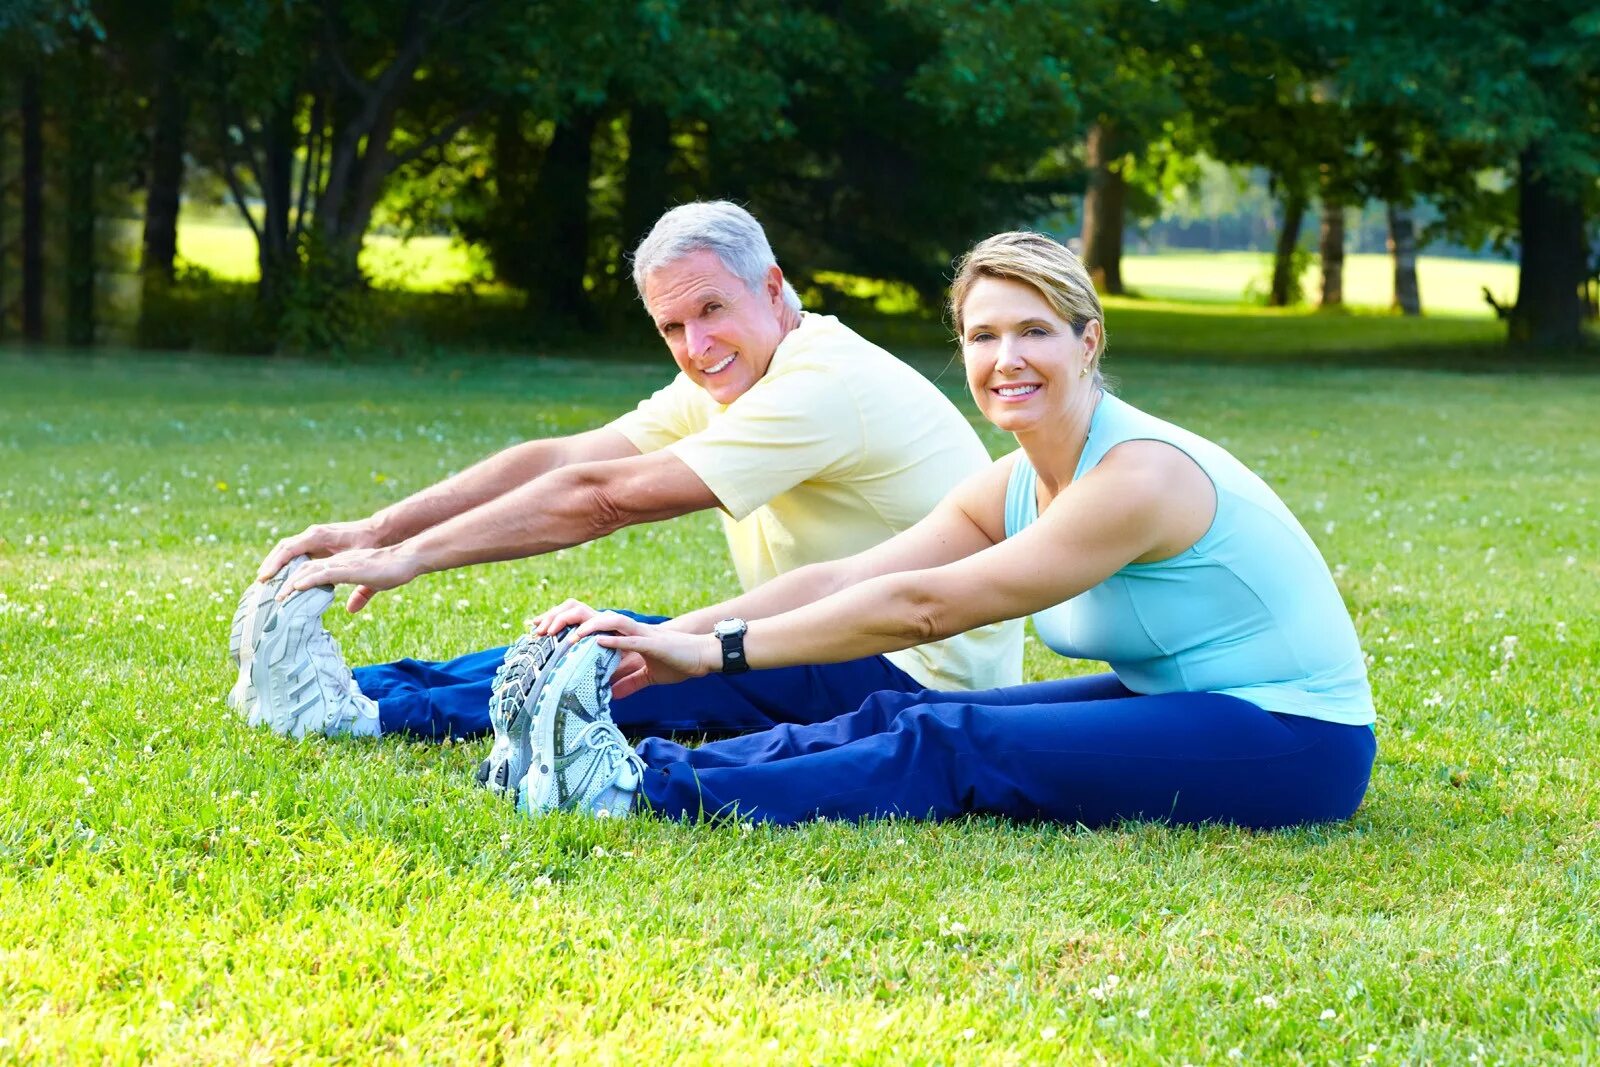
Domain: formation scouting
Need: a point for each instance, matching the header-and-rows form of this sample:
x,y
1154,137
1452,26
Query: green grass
x,y
424,264
175,886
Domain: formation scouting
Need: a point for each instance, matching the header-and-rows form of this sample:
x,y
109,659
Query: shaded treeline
x,y
875,138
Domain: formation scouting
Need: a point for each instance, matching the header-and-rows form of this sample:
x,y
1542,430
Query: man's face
x,y
721,334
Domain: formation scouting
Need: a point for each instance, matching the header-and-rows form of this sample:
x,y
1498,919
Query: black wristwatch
x,y
731,633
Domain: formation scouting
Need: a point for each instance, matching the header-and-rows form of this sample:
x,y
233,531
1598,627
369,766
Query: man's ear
x,y
774,284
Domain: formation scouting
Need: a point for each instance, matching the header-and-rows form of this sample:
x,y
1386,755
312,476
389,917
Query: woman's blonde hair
x,y
1045,264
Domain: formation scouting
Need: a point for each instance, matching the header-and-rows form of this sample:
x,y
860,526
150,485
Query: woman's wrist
x,y
710,654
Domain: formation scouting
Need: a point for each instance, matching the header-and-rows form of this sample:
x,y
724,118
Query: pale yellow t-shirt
x,y
838,447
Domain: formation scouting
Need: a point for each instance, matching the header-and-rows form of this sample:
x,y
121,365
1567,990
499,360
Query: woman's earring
x,y
1084,373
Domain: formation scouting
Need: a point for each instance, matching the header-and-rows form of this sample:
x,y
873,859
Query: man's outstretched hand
x,y
323,539
370,570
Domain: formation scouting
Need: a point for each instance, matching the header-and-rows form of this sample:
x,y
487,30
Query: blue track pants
x,y
1080,750
451,698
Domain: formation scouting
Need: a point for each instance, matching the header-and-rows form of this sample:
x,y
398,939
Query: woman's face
x,y
1024,363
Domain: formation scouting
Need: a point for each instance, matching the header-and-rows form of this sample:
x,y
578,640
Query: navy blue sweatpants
x,y
450,698
1080,750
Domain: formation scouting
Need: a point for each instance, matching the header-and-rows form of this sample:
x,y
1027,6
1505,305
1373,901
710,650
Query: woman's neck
x,y
1056,449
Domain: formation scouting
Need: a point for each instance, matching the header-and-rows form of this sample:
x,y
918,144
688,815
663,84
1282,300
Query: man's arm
x,y
477,485
564,507
958,526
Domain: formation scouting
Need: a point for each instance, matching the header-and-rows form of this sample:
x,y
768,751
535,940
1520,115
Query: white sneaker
x,y
256,607
301,681
517,684
581,761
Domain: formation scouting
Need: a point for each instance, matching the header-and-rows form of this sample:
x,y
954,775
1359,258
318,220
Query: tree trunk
x,y
1403,247
1104,209
560,218
32,209
82,216
1285,286
169,113
1549,310
276,255
648,193
1332,253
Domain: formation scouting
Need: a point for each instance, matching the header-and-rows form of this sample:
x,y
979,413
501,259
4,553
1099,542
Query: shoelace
x,y
335,673
606,743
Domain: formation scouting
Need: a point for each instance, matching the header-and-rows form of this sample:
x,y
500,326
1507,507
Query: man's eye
x,y
712,308
670,328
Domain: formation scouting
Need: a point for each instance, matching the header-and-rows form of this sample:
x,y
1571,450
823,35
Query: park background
x,y
264,263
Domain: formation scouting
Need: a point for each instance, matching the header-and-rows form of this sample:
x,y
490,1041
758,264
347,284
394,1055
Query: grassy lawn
x,y
176,886
1449,286
423,264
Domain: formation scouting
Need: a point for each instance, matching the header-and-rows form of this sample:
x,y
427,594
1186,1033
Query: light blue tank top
x,y
1249,610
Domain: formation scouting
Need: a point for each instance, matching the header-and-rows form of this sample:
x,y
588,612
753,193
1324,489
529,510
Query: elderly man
x,y
813,444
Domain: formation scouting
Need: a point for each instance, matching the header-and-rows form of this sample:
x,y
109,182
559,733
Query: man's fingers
x,y
360,597
276,559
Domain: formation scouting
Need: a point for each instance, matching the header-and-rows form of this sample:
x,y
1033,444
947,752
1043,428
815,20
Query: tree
x,y
1518,85
32,33
1257,77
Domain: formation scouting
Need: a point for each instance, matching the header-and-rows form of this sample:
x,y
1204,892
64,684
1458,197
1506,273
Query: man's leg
x,y
756,700
435,700
450,698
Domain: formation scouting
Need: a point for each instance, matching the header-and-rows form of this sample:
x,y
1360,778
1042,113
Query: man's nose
x,y
697,338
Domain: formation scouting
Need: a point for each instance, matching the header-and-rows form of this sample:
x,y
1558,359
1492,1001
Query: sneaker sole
x,y
575,658
288,688
256,608
516,683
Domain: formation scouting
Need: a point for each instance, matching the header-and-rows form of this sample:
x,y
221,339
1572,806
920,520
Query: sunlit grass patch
x,y
175,886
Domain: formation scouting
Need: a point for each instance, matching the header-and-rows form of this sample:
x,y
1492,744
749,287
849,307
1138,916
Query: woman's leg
x,y
875,712
1184,758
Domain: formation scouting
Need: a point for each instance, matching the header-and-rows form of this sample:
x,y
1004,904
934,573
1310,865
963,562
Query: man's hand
x,y
667,656
323,539
368,569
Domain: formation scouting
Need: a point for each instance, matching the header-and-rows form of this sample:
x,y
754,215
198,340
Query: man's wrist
x,y
382,529
412,559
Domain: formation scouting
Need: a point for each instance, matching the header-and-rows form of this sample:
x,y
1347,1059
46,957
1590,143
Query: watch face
x,y
728,627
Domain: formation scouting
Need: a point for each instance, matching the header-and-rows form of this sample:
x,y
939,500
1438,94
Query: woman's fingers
x,y
611,622
568,613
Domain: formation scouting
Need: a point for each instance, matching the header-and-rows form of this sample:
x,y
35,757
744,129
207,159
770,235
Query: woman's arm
x,y
1146,500
959,525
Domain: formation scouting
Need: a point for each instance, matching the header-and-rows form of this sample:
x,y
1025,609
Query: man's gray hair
x,y
725,229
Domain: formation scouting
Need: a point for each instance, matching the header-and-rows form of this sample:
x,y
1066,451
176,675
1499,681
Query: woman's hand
x,y
665,655
568,613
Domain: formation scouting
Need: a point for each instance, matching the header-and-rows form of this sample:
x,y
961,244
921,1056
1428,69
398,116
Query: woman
x,y
1238,691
